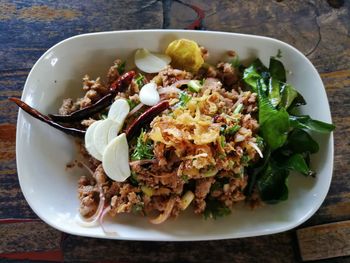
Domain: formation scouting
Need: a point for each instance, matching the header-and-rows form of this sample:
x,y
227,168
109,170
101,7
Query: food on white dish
x,y
201,135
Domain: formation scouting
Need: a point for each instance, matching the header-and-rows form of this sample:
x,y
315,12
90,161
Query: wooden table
x,y
319,28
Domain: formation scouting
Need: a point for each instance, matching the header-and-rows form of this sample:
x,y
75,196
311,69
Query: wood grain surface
x,y
318,28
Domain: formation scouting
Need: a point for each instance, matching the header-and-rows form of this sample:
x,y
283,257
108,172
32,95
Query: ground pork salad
x,y
178,132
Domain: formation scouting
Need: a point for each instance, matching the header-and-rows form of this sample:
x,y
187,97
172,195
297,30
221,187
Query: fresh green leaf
x,y
215,209
274,92
274,124
299,141
297,163
306,122
272,184
288,95
275,129
184,98
194,86
277,70
254,73
298,101
143,149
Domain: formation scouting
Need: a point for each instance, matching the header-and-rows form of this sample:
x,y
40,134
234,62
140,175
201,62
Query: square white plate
x,y
43,152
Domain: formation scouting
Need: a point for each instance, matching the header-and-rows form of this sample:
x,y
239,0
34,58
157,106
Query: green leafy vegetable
x,y
306,122
272,184
274,92
297,163
287,147
300,141
143,149
277,70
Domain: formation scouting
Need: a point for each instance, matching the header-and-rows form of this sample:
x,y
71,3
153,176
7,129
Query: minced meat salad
x,y
178,133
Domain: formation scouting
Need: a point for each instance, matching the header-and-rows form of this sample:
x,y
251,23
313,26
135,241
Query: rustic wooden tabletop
x,y
318,28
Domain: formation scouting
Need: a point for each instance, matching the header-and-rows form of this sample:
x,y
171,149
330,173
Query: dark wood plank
x,y
325,241
273,248
320,29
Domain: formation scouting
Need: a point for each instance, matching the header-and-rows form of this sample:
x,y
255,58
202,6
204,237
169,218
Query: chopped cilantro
x,y
222,141
137,208
184,178
121,68
143,149
133,179
231,130
235,62
131,103
140,80
215,209
184,98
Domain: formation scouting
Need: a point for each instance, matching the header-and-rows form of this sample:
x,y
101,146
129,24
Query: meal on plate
x,y
176,132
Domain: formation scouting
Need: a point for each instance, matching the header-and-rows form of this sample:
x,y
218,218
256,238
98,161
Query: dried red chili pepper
x,y
118,85
145,118
38,115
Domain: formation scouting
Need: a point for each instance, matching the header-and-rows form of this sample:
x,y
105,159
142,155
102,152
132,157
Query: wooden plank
x,y
324,241
273,249
29,240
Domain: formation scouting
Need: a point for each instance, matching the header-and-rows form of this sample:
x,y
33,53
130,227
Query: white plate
x,y
43,152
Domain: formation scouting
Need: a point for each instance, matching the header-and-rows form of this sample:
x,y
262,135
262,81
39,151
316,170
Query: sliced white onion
x,y
149,94
101,219
165,215
115,159
136,109
256,148
119,110
104,133
151,62
89,141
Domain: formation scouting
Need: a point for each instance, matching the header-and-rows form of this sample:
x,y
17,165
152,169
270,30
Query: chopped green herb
x,y
184,98
202,81
235,62
140,80
279,53
121,68
184,178
137,208
229,131
215,209
132,103
143,149
133,179
222,141
238,108
194,86
245,159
